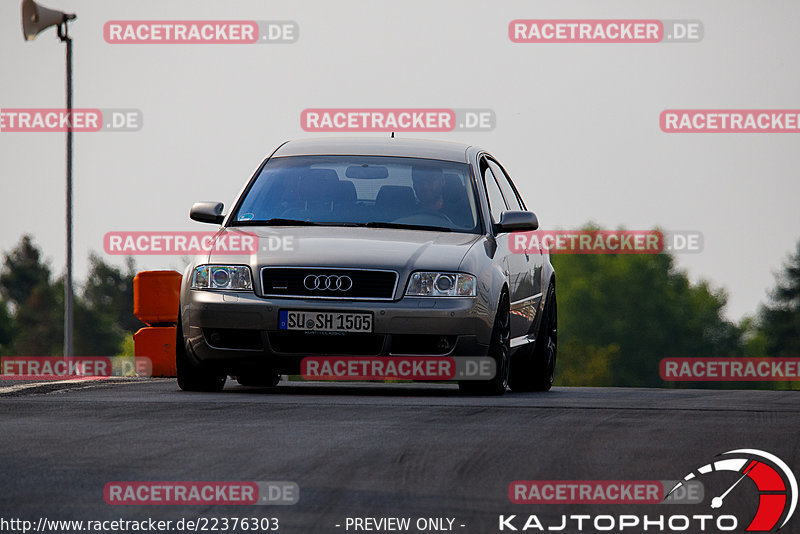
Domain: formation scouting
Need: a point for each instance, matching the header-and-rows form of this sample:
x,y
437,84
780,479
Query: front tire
x,y
191,377
499,350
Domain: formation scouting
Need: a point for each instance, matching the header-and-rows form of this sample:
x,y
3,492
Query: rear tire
x,y
533,368
499,350
191,377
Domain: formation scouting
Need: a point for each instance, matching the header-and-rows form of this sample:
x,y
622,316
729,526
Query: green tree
x,y
37,305
780,318
6,327
39,323
110,290
23,270
583,365
635,310
32,307
754,341
104,311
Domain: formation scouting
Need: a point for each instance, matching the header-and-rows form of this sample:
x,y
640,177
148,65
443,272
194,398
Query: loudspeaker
x,y
36,18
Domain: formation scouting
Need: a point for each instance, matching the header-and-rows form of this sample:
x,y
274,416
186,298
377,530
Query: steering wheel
x,y
435,213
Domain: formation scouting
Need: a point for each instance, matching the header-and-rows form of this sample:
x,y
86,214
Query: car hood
x,y
327,246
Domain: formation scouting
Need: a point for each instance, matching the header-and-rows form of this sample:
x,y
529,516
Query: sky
x,y
577,125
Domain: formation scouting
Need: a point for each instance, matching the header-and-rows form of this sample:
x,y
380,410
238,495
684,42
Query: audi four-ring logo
x,y
327,282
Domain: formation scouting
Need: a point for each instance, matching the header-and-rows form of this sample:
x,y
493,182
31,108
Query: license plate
x,y
324,321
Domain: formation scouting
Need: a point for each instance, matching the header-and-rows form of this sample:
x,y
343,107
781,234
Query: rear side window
x,y
496,203
505,186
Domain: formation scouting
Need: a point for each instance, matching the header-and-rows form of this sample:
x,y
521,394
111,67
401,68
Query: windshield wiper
x,y
276,221
377,224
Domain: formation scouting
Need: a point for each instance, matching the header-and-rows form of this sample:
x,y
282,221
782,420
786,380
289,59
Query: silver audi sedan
x,y
376,247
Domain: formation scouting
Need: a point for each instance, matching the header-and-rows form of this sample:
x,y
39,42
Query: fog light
x,y
215,339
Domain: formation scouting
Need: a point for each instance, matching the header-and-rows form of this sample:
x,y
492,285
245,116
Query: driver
x,y
428,186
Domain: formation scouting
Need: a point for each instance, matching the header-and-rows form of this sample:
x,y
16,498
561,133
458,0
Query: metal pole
x,y
68,280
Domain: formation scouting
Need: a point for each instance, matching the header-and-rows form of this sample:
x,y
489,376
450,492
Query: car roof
x,y
375,146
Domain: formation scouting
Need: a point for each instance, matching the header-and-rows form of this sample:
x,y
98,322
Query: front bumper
x,y
237,331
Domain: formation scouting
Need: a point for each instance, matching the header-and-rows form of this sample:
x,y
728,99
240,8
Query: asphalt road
x,y
402,450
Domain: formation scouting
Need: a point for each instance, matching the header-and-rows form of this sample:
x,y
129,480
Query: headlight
x,y
428,284
232,277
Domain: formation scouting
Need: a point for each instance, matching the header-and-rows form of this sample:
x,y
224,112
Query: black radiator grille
x,y
328,283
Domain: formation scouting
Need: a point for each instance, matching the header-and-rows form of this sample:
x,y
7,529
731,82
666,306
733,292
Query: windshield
x,y
361,191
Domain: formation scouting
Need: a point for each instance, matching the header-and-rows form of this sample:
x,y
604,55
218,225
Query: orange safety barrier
x,y
158,344
156,298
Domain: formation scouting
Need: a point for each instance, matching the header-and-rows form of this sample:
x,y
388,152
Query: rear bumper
x,y
234,331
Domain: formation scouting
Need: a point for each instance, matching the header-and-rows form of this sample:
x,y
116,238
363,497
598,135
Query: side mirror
x,y
207,212
517,221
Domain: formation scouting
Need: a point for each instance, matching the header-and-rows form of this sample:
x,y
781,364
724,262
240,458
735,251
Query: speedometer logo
x,y
776,484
